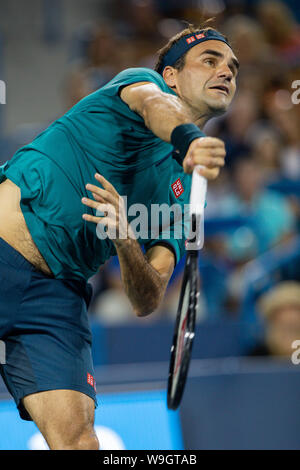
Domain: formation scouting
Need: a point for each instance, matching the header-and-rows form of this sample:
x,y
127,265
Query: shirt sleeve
x,y
174,245
135,75
173,237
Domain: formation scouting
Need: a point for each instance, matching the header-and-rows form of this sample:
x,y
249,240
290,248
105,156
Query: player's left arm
x,y
145,276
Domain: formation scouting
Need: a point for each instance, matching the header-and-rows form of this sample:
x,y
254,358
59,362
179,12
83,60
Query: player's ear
x,y
169,76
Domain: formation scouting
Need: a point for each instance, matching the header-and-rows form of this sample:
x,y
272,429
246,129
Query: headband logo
x,y
193,38
190,40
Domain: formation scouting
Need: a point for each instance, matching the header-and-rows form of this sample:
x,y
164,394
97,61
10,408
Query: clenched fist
x,y
208,152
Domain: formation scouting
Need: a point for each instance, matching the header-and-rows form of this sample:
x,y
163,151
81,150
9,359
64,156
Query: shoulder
x,y
140,72
135,75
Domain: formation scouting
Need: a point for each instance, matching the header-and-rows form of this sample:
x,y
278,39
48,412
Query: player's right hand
x,y
208,152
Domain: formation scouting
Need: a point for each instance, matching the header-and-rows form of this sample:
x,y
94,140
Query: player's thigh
x,y
64,417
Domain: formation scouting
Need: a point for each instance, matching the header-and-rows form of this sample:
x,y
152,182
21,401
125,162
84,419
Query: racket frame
x,y
191,274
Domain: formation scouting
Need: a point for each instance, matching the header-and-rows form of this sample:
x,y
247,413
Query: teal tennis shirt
x,y
99,134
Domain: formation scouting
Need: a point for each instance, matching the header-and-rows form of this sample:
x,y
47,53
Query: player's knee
x,y
85,439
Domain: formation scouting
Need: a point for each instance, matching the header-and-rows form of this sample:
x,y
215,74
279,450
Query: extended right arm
x,y
161,111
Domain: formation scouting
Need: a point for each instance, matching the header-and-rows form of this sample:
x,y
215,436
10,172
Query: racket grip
x,y
198,192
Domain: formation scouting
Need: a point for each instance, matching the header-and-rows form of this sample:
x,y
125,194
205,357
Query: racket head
x,y
184,331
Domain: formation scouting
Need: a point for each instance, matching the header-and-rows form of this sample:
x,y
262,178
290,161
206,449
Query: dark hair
x,y
190,29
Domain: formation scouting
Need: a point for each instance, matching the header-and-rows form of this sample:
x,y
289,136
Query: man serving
x,y
139,136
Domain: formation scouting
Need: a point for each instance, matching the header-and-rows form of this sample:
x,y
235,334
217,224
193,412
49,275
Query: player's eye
x,y
210,62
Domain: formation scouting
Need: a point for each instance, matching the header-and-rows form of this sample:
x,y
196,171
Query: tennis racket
x,y
188,301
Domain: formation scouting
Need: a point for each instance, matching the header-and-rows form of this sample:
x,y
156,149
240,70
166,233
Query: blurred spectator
x,y
280,310
266,147
281,29
139,24
248,40
279,108
269,214
265,220
281,263
141,19
238,123
95,65
216,191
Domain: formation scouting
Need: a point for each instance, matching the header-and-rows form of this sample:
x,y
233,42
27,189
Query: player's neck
x,y
200,121
199,117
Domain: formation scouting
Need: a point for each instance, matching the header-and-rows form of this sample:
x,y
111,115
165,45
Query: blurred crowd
x,y
253,209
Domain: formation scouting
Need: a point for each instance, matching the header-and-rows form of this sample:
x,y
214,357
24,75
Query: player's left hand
x,y
111,206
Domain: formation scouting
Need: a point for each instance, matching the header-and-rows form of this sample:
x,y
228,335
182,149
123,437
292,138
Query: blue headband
x,y
186,43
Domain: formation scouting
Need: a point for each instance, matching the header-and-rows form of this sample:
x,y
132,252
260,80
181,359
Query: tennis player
x,y
142,135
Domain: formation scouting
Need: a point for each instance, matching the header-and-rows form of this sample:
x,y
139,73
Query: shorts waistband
x,y
12,256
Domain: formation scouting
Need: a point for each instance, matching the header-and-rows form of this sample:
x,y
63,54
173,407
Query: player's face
x,y
207,82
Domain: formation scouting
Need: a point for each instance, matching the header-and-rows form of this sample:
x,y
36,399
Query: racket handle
x,y
197,204
198,193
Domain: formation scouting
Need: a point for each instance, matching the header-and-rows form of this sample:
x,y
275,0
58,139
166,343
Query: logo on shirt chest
x,y
177,188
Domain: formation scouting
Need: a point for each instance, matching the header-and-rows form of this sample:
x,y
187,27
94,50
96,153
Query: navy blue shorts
x,y
44,325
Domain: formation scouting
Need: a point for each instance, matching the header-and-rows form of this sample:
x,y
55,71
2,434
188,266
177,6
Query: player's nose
x,y
225,72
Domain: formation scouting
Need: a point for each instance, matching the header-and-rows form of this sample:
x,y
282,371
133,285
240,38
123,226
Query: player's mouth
x,y
221,88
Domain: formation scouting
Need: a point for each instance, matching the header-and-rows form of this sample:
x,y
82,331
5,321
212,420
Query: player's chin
x,y
219,107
